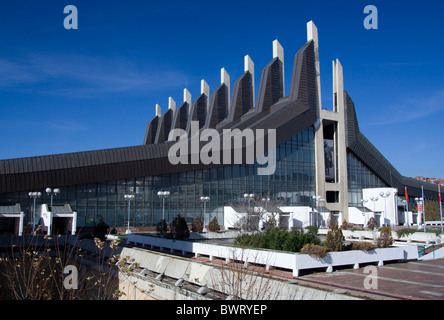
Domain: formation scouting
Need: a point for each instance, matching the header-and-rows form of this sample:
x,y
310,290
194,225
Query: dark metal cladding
x,y
198,112
218,110
242,100
164,126
151,131
180,119
271,86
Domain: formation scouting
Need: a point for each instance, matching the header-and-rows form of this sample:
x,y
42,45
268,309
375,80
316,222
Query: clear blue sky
x,y
96,87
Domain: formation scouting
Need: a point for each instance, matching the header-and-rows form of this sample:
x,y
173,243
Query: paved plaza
x,y
418,280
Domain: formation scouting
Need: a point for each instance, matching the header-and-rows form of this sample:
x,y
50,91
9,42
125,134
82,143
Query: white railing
x,y
293,262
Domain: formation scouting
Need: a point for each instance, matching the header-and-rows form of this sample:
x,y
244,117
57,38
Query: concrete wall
x,y
209,277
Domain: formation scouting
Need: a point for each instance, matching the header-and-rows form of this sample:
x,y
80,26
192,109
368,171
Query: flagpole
x,y
440,206
423,207
407,205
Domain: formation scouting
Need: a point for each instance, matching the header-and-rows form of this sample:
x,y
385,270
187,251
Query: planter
x,y
354,258
290,261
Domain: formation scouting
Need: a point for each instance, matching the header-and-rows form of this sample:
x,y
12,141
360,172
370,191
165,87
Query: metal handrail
x,y
432,246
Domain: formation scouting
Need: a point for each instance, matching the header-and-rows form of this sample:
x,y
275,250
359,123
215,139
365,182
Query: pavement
x,y
414,280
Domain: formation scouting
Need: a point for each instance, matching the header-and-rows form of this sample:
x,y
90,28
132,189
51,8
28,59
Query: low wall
x,y
291,261
422,237
214,278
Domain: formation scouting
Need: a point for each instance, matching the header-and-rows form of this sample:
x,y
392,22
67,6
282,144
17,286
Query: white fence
x,y
293,262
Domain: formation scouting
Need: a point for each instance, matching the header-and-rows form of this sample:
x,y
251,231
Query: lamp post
x,y
318,199
163,195
52,193
385,196
406,213
249,197
34,195
420,204
265,202
204,200
364,201
129,197
374,199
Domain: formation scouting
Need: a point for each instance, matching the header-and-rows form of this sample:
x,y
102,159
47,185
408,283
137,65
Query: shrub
x,y
276,239
385,237
179,228
214,226
363,245
162,227
405,232
331,221
297,239
371,223
312,229
197,225
335,239
345,225
314,250
101,230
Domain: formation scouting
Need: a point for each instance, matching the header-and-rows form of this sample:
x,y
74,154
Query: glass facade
x,y
359,177
293,184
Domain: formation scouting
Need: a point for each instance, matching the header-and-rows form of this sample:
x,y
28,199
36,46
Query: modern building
x,y
322,163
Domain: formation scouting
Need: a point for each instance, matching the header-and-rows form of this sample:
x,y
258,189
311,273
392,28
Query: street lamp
x,y
52,193
163,195
315,215
385,196
374,199
34,195
129,197
249,197
364,201
420,204
205,200
406,213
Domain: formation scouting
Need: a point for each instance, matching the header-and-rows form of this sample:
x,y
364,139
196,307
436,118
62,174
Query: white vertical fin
x,y
249,66
312,35
186,96
278,52
338,86
225,79
158,111
171,104
205,89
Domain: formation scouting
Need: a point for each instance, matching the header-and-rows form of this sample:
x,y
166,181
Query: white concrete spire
x,y
186,96
171,104
204,88
278,50
158,111
338,87
312,35
249,66
225,79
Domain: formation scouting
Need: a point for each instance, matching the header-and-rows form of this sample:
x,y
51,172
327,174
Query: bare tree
x,y
256,212
245,277
35,268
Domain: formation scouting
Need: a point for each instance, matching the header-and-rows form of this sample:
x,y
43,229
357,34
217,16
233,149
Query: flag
x,y
406,195
439,192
